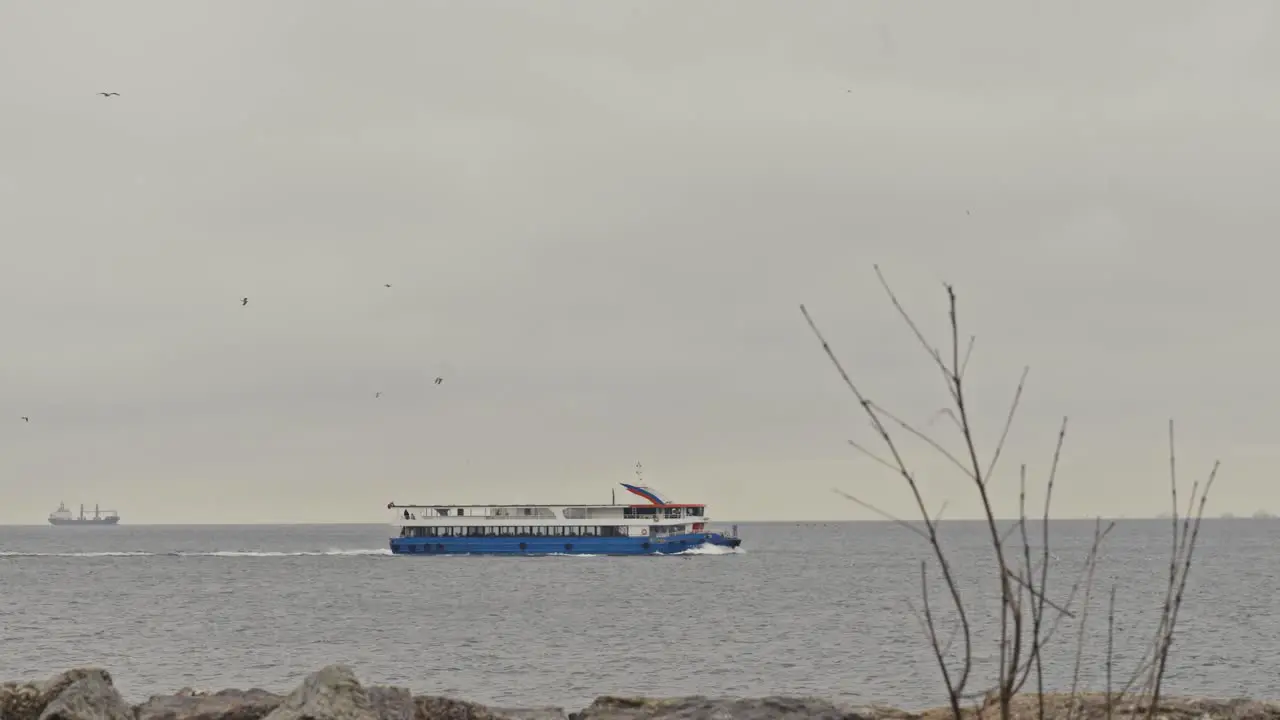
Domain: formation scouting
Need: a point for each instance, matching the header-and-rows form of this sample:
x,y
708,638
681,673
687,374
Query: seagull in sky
x,y
109,94
244,301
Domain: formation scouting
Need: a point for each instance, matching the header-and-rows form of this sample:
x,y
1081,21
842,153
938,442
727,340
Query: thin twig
x,y
1111,634
1084,618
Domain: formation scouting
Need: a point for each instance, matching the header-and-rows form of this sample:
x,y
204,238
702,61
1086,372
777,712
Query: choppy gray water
x,y
806,609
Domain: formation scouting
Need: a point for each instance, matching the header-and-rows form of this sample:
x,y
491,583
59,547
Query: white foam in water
x,y
572,555
214,553
707,549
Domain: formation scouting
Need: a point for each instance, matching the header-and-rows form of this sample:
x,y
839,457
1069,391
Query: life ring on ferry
x,y
644,531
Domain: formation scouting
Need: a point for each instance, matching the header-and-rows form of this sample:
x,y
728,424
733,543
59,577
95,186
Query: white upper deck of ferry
x,y
658,511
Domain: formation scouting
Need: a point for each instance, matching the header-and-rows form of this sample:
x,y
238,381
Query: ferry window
x,y
528,511
459,511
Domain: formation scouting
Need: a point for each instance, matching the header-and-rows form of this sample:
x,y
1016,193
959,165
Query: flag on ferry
x,y
647,493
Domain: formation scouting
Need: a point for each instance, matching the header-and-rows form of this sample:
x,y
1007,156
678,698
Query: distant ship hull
x,y
86,521
63,516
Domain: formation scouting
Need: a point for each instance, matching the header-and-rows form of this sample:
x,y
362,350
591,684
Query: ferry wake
x,y
656,527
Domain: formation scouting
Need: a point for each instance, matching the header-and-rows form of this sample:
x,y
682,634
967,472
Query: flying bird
x,y
439,380
108,94
244,301
26,419
377,394
387,285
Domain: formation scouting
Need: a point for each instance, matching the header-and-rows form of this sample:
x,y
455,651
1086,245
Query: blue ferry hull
x,y
558,545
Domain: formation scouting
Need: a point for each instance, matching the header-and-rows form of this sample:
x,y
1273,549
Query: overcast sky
x,y
598,220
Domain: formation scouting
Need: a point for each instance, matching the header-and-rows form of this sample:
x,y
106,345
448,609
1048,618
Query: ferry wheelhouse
x,y
656,527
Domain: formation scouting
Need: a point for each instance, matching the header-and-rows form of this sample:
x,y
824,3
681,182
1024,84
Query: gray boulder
x,y
92,697
432,707
253,704
28,700
330,693
334,693
392,703
704,708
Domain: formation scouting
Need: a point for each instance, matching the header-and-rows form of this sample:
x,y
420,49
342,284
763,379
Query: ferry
x,y
655,527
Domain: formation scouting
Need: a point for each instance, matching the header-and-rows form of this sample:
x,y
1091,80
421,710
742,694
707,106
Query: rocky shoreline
x,y
334,693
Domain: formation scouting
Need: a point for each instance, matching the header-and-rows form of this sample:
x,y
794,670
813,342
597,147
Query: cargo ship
x,y
63,516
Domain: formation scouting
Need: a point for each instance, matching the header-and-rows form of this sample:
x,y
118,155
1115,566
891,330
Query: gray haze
x,y
598,219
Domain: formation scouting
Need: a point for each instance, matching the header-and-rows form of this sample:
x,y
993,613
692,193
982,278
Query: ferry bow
x,y
656,527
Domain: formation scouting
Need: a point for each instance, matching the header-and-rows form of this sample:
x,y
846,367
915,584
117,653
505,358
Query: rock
x,y
252,704
92,697
704,708
26,701
431,707
1093,706
334,693
532,713
392,703
330,693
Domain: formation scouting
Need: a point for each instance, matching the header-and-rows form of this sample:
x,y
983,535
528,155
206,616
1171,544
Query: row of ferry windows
x,y
519,531
578,513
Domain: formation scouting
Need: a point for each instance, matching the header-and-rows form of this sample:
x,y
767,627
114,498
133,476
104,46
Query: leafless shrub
x,y
1028,618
